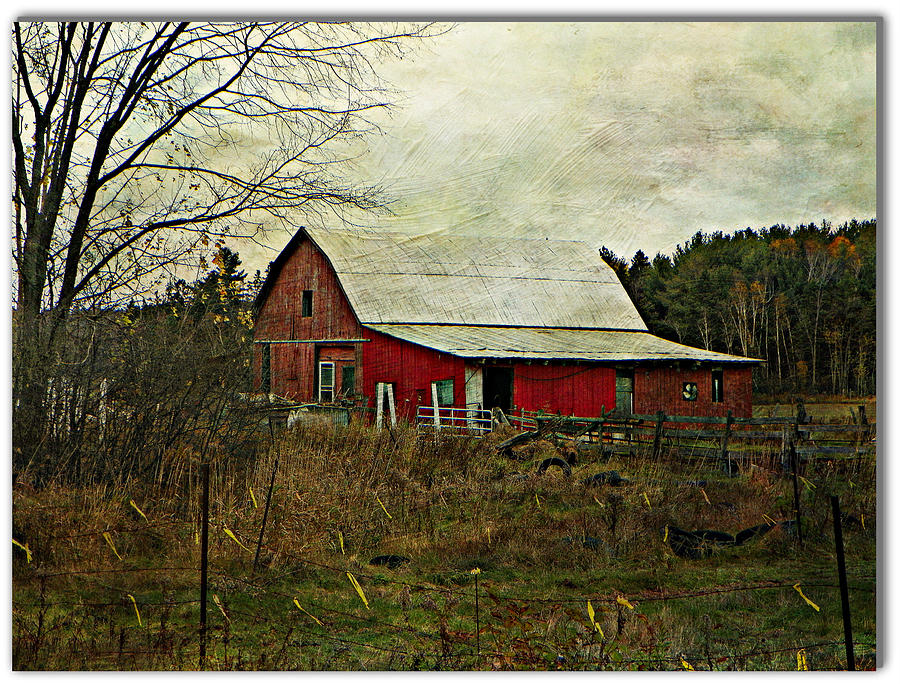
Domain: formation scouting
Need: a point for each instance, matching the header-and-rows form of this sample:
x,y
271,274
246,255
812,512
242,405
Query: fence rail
x,y
474,422
727,438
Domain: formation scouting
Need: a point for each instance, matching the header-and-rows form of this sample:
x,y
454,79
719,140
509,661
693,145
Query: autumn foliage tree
x,y
803,299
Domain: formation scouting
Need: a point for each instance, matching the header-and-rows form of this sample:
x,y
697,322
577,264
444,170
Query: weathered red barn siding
x,y
579,390
659,389
582,390
411,368
292,366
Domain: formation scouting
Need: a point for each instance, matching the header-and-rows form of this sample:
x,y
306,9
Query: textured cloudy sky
x,y
629,135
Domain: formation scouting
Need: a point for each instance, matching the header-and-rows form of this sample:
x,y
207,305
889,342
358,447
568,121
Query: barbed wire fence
x,y
520,631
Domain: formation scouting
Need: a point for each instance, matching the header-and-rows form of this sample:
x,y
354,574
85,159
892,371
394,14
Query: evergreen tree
x,y
803,299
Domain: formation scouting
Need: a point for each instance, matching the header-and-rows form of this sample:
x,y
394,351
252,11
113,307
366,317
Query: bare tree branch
x,y
133,141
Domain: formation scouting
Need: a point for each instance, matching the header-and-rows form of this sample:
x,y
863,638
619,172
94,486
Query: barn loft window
x,y
265,368
718,386
443,390
306,304
326,381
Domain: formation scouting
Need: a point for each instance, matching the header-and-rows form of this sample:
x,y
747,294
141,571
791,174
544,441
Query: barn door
x,y
326,382
624,391
337,364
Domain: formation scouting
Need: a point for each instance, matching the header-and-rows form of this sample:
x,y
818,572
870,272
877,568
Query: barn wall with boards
x,y
660,388
572,389
410,370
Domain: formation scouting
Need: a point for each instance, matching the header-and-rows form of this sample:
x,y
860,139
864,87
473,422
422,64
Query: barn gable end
x,y
291,342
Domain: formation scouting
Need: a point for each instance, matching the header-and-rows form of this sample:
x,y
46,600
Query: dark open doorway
x,y
498,387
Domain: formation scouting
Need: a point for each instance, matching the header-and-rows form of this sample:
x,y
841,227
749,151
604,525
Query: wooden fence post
x,y
658,435
801,412
786,443
799,418
866,435
379,403
794,468
863,437
600,431
726,457
842,574
204,558
41,613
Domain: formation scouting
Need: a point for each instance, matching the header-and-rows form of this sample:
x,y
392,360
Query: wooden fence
x,y
728,439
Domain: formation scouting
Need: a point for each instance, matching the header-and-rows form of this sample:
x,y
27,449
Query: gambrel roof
x,y
449,279
489,297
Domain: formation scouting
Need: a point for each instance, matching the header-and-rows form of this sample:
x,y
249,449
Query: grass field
x,y
822,409
569,576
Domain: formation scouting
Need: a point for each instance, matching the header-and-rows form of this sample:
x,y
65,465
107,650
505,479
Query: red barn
x,y
473,322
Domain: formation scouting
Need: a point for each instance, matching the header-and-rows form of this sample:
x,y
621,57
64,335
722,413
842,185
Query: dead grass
x,y
545,543
822,409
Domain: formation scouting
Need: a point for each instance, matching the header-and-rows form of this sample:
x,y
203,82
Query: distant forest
x,y
802,299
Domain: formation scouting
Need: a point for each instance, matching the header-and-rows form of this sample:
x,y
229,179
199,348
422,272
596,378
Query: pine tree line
x,y
802,299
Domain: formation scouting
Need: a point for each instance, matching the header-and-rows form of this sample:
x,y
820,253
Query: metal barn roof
x,y
448,279
544,343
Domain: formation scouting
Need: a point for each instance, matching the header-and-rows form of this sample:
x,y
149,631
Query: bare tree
x,y
134,142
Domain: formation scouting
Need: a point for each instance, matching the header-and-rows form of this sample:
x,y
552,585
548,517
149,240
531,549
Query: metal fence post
x,y
262,528
842,574
477,571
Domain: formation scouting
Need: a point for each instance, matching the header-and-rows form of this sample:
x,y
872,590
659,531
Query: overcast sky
x,y
629,135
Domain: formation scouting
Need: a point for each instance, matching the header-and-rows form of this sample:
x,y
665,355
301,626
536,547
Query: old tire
x,y
554,461
392,561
